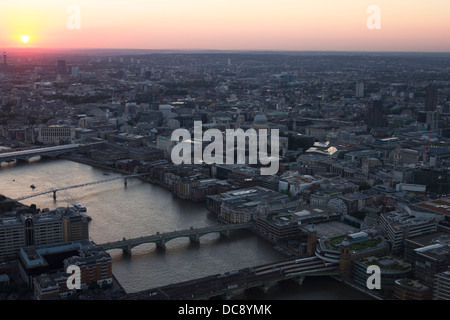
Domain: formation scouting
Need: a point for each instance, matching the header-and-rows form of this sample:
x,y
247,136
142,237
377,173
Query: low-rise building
x,y
95,266
442,286
294,183
51,286
429,261
409,289
359,245
391,269
4,280
58,226
284,226
56,134
356,201
357,156
423,241
44,269
244,205
439,208
399,226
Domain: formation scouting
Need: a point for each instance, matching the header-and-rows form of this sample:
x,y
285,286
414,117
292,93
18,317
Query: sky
x,y
295,25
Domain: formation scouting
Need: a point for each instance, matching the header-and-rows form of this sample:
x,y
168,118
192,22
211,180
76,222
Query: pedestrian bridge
x,y
160,239
54,190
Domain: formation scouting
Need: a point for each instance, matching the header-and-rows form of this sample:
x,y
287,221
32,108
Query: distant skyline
x,y
283,25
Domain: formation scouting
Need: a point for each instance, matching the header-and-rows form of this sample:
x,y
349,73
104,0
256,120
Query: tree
x,y
364,186
286,192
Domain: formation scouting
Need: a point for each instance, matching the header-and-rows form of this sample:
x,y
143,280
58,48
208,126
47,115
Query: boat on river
x,y
79,207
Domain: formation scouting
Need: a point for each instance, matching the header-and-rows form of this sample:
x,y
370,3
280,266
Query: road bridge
x,y
160,239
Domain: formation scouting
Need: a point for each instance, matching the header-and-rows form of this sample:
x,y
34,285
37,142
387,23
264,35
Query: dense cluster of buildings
x,y
364,162
43,244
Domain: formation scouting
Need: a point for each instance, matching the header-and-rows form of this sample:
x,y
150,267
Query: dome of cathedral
x,y
260,120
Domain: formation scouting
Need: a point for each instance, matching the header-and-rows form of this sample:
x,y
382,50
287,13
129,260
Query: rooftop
x,y
433,238
387,263
356,241
415,284
296,216
4,277
435,251
333,229
403,219
441,205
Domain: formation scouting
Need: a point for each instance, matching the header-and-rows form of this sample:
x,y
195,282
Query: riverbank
x,y
358,288
138,258
94,163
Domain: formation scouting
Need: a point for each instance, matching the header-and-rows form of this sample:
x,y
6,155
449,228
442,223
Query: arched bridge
x,y
160,239
29,153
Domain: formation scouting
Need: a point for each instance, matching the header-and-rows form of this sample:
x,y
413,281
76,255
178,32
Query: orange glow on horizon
x,y
406,25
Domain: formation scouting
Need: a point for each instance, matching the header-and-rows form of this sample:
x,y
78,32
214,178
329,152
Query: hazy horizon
x,y
206,50
228,25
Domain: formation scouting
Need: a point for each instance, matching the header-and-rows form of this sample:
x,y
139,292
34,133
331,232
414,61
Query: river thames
x,y
141,209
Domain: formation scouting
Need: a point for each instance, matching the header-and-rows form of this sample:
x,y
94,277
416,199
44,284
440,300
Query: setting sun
x,y
24,38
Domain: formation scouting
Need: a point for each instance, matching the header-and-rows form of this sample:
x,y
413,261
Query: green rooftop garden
x,y
336,240
370,243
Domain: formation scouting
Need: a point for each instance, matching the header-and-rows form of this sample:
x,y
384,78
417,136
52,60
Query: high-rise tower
x,y
4,57
62,69
375,116
430,98
359,90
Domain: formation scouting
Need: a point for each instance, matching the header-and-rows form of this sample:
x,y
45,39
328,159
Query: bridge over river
x,y
26,154
160,239
226,284
55,190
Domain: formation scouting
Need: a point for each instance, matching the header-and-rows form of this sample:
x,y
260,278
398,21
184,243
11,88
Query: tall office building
x,y
75,72
430,98
359,90
4,65
62,69
375,116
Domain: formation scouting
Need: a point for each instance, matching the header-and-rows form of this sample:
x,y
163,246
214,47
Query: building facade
x,y
408,289
429,261
56,134
95,266
442,286
58,226
399,226
391,269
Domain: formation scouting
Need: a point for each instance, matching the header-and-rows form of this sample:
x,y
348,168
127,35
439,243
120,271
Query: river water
x,y
141,209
